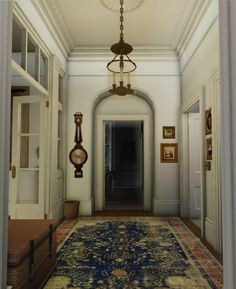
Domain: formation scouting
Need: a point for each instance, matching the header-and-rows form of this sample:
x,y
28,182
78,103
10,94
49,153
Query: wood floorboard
x,y
197,232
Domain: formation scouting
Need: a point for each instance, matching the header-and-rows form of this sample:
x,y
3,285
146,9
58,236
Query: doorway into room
x,y
193,180
194,160
124,189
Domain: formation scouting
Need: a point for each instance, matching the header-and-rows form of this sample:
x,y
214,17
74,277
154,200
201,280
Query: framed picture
x,y
168,131
209,149
208,121
169,152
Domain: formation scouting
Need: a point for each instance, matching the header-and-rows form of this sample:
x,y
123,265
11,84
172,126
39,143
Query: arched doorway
x,y
132,111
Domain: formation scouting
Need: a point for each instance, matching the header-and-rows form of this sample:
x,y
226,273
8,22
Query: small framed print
x,y
208,121
168,131
169,152
209,149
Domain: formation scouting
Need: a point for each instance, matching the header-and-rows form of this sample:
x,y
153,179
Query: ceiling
x,y
88,23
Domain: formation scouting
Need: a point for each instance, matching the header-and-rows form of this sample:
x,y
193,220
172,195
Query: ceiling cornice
x,y
85,53
52,18
190,20
183,23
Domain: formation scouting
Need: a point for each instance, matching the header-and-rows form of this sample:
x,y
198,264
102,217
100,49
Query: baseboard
x,y
58,211
86,208
166,207
210,232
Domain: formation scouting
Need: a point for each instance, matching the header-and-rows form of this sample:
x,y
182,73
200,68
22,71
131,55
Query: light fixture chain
x,y
121,19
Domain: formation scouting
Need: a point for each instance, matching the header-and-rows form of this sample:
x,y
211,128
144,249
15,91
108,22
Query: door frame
x,y
99,155
199,97
217,153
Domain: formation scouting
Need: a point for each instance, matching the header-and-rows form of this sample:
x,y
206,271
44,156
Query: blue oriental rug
x,y
119,254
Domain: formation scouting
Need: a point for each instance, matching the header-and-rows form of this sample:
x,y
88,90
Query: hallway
x,y
54,65
132,252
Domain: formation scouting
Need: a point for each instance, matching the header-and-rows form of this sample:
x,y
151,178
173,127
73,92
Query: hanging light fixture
x,y
121,65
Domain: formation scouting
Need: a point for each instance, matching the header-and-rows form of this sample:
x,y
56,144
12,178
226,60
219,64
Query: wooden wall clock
x,y
78,155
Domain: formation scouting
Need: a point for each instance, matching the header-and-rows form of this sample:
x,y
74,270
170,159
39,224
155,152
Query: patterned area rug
x,y
129,252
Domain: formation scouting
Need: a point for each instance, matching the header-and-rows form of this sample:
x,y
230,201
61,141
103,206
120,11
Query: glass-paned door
x,y
28,162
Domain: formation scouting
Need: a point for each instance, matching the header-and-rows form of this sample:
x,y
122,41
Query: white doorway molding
x,y
99,152
198,98
227,17
5,98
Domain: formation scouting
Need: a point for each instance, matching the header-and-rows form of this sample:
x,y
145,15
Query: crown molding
x,y
208,19
189,22
184,22
100,53
52,18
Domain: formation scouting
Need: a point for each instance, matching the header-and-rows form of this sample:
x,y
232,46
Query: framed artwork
x,y
169,152
168,131
208,121
209,149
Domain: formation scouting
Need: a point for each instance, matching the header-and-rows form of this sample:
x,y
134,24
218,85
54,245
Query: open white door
x,y
194,166
28,146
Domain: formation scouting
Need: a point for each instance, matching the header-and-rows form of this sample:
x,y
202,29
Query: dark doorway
x,y
124,165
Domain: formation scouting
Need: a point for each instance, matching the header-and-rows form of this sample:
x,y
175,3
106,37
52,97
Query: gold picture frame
x,y
208,121
169,152
168,132
209,149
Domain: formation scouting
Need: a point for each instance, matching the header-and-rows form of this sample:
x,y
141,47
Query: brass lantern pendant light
x,y
121,65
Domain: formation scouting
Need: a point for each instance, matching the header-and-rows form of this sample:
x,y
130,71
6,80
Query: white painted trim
x,y
99,185
166,207
28,77
86,207
217,152
189,20
199,97
51,16
34,210
5,96
196,37
227,19
57,211
103,53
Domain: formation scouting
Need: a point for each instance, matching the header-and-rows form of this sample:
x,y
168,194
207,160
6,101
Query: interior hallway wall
x,y
158,79
199,72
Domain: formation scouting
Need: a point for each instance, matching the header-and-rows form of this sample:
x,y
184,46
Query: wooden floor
x,y
118,213
197,232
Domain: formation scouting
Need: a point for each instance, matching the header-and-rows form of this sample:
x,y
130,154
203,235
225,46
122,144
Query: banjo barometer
x,y
78,155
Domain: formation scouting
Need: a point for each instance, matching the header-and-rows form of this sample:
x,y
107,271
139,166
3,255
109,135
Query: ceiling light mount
x,y
129,5
121,64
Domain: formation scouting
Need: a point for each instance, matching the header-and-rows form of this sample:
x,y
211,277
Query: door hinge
x,y
13,172
47,103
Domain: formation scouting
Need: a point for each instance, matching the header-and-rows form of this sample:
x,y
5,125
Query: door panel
x,y
28,145
194,166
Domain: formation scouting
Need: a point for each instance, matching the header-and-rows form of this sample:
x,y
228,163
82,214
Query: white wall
x,y
199,72
158,79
